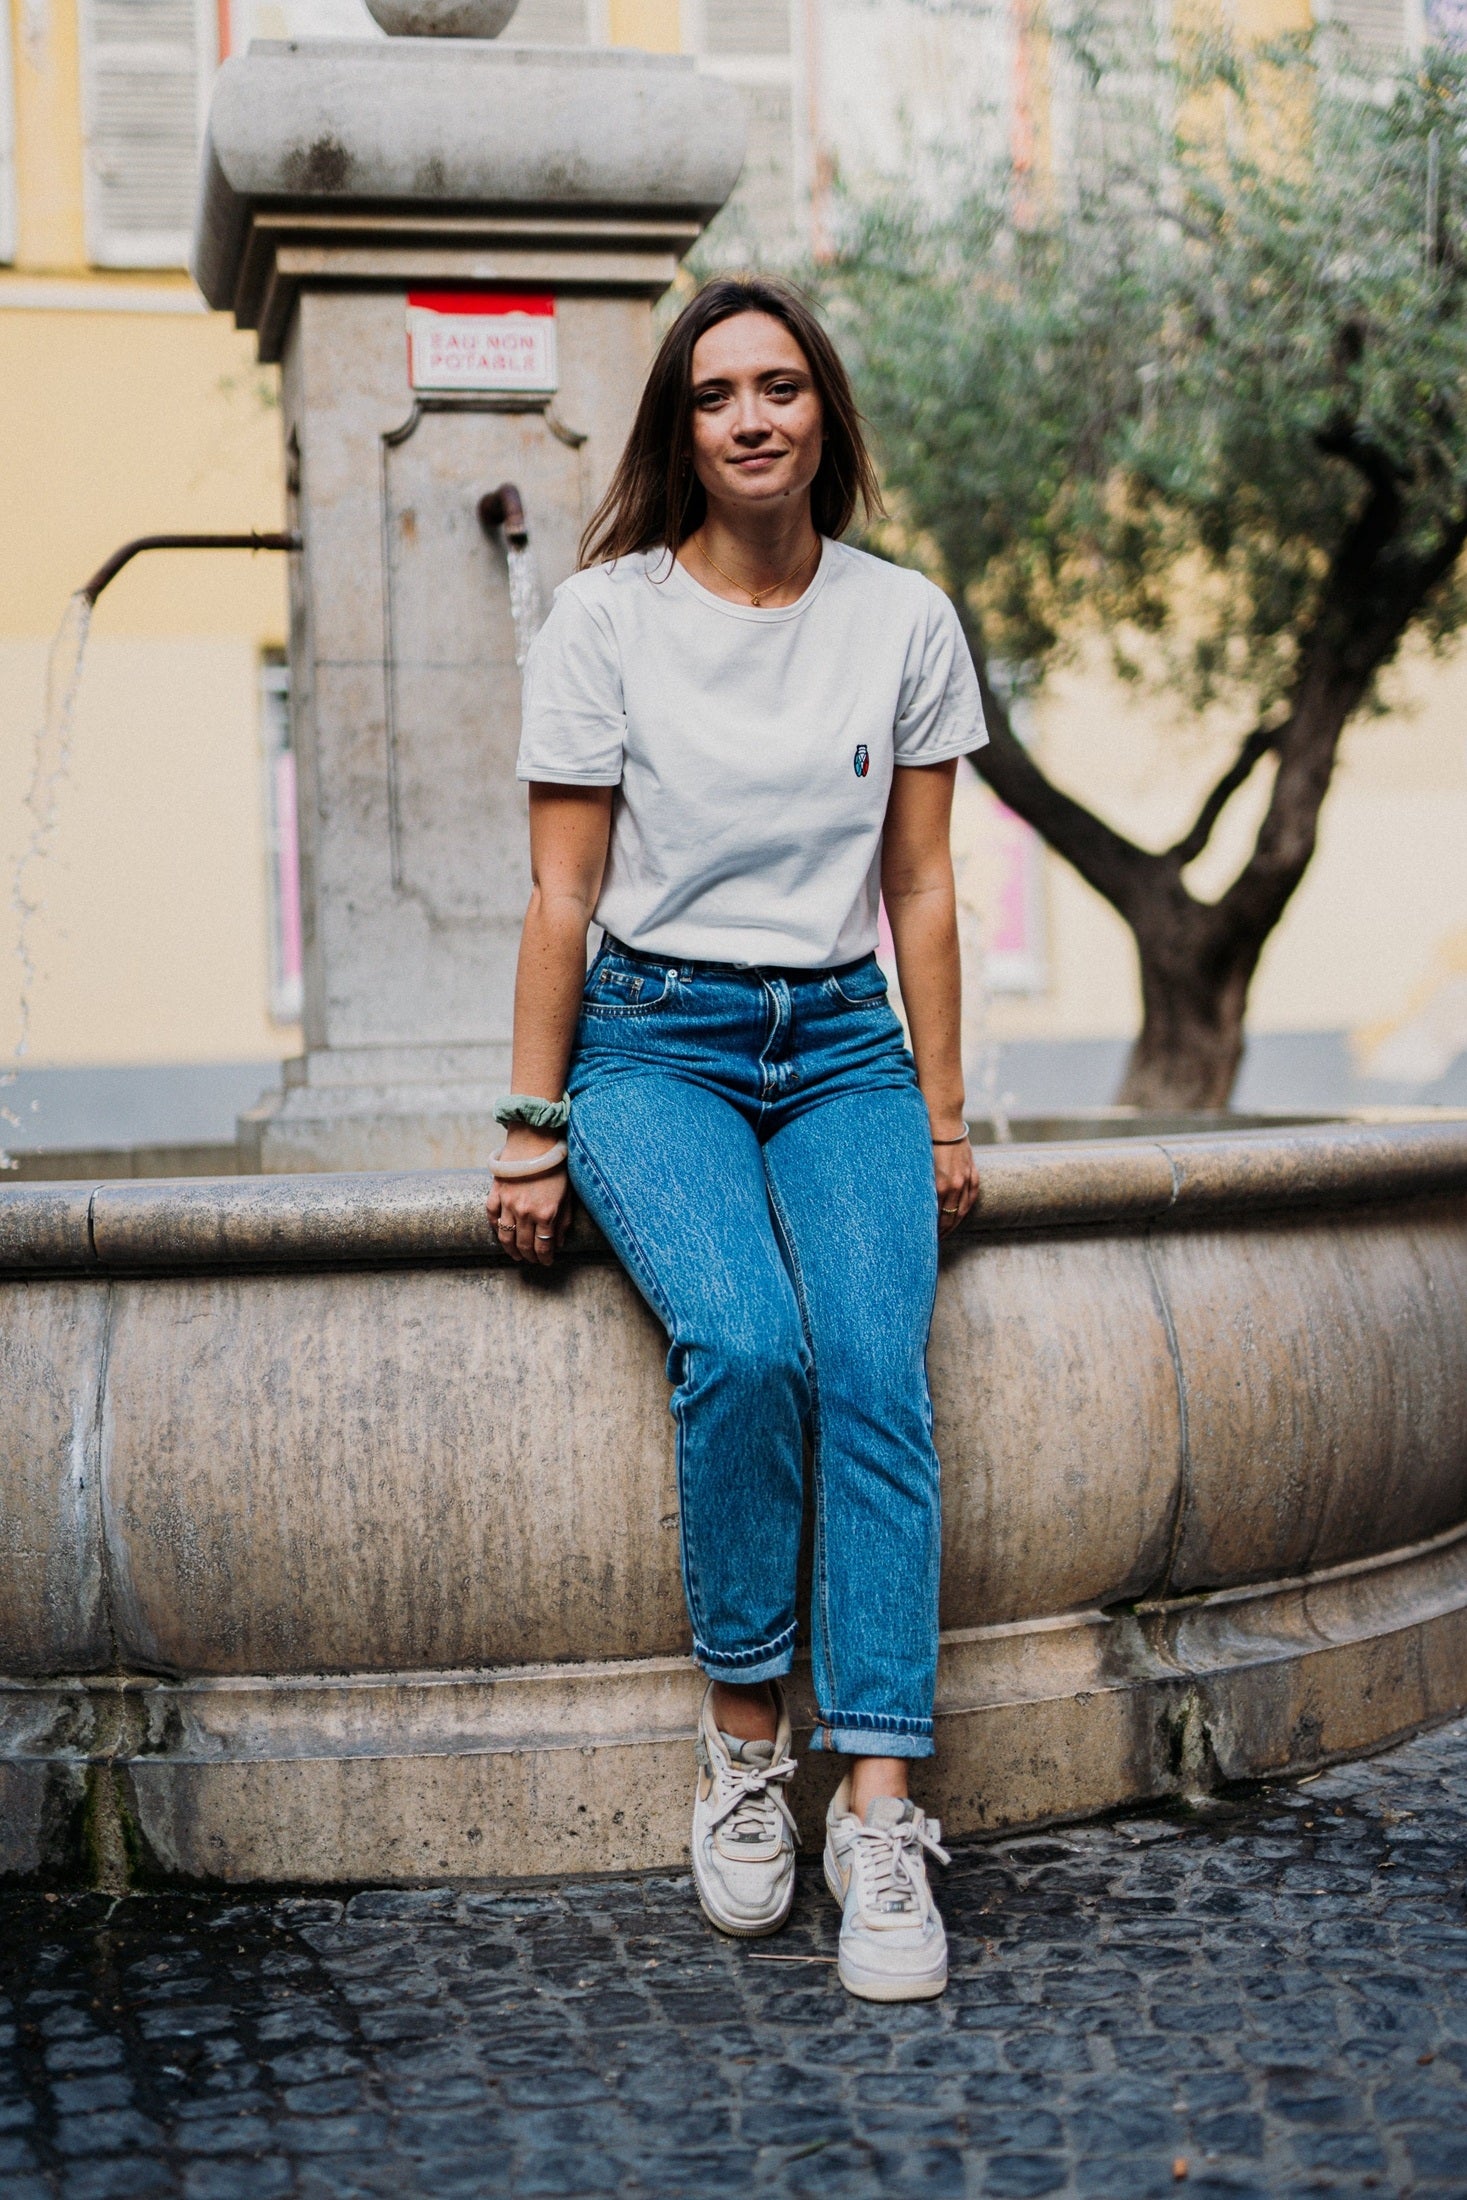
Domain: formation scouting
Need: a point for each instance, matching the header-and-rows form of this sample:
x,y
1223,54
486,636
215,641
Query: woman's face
x,y
757,423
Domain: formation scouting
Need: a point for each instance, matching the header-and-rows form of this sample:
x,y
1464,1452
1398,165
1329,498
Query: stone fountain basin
x,y
336,1548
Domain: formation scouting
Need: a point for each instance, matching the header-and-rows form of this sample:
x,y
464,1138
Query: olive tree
x,y
1209,397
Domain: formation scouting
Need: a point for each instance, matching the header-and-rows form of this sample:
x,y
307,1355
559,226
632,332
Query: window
x,y
747,26
1382,29
281,843
750,44
146,70
1015,958
765,194
548,23
7,140
999,865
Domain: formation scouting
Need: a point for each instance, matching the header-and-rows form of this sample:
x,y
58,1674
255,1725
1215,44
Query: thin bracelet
x,y
535,1164
965,1140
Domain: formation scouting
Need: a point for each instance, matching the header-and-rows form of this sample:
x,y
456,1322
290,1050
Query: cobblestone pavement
x,y
1268,1998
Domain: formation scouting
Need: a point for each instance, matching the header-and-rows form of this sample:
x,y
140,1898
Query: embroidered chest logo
x,y
862,760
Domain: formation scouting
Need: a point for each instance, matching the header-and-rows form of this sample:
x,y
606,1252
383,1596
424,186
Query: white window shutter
x,y
7,140
747,26
146,70
750,44
1381,29
766,187
549,23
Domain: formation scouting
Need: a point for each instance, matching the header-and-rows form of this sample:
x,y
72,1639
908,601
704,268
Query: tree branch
x,y
1116,868
1340,659
1397,597
1341,438
1380,520
1254,749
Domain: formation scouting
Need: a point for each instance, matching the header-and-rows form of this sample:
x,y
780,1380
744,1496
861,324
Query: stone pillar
x,y
340,177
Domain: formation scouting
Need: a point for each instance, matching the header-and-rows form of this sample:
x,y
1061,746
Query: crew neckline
x,y
760,616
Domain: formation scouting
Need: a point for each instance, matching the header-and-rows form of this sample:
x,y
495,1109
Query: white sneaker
x,y
743,1834
892,1945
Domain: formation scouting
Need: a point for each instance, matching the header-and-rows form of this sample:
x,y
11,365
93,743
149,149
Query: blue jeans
x,y
755,1148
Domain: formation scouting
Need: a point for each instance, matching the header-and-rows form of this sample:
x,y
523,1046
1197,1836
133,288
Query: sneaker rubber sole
x,y
880,1985
743,1928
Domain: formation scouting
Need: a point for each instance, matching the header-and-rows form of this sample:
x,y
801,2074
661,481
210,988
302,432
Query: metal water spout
x,y
107,573
504,508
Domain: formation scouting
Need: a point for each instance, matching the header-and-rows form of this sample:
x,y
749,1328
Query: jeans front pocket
x,y
618,987
862,987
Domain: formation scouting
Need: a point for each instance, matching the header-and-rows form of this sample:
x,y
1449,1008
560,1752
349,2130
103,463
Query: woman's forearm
x,y
549,976
924,930
569,828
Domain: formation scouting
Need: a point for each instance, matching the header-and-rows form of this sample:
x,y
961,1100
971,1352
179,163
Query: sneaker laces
x,y
890,1859
749,1804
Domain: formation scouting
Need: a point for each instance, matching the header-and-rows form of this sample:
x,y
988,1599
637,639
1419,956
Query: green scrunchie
x,y
533,1113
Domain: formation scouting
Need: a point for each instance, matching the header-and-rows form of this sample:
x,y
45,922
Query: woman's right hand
x,y
530,1214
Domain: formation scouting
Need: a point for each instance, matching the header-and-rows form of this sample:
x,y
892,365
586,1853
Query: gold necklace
x,y
756,595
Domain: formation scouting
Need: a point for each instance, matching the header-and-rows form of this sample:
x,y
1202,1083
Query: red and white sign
x,y
481,340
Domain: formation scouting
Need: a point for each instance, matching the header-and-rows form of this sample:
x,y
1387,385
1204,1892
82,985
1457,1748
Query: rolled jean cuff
x,y
873,1737
770,1661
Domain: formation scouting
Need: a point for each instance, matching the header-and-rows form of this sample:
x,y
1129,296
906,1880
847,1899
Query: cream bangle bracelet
x,y
535,1164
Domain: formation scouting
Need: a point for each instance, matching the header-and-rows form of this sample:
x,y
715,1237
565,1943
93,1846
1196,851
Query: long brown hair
x,y
655,498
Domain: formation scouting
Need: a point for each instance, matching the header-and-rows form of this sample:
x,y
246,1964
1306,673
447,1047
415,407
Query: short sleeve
x,y
941,713
572,720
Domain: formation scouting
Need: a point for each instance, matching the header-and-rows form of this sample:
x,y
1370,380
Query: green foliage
x,y
1158,402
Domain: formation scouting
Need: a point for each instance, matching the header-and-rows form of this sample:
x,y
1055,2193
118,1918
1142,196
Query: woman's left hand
x,y
922,906
956,1171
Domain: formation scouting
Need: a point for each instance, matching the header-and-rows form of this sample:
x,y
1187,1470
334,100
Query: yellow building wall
x,y
152,945
130,410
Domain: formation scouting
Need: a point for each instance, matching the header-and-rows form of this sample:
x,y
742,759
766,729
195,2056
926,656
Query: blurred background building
x,y
167,951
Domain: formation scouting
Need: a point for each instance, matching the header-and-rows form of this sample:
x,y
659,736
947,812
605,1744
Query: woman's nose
x,y
749,424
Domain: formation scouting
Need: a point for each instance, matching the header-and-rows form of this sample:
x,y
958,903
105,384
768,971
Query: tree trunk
x,y
1198,958
1190,1044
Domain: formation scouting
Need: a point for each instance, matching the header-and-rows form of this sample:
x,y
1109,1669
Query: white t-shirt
x,y
752,750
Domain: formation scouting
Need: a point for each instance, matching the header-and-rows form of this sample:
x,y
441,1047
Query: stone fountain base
x,y
406,1776
341,1550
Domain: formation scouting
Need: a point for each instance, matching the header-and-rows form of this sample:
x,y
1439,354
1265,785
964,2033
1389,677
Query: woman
x,y
738,734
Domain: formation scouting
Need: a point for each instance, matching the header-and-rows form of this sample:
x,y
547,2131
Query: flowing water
x,y
524,598
52,754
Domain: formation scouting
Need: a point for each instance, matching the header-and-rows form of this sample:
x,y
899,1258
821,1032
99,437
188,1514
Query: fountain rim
x,y
351,1219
